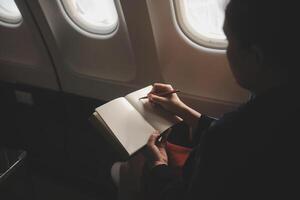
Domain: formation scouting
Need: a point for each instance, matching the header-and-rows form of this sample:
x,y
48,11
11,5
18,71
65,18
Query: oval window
x,y
95,16
9,12
202,21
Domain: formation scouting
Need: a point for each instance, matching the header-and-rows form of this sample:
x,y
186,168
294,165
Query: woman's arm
x,y
172,103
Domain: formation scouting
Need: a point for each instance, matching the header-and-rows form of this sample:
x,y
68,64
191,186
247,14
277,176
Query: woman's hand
x,y
156,150
173,104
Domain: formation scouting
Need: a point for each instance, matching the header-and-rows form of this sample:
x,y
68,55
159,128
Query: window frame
x,y
9,22
83,29
191,33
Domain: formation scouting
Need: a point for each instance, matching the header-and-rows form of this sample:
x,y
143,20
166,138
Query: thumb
x,y
152,139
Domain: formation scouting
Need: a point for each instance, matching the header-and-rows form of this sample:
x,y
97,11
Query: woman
x,y
249,153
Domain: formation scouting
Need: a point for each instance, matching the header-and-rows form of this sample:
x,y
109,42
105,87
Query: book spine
x,y
100,125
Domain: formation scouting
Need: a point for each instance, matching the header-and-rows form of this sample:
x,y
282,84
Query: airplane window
x,y
202,21
9,12
95,16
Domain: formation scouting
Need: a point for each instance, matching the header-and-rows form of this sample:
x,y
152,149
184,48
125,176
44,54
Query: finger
x,y
158,140
152,139
165,137
163,141
158,99
150,98
152,152
161,87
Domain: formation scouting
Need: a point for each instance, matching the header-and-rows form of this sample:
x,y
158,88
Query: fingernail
x,y
150,96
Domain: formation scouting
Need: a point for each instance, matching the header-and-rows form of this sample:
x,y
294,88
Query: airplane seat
x,y
126,177
15,184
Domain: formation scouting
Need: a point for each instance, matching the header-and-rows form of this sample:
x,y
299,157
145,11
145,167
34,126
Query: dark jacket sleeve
x,y
203,124
183,135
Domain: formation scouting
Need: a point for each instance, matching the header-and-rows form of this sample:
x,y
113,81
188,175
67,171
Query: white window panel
x,y
202,21
9,12
94,16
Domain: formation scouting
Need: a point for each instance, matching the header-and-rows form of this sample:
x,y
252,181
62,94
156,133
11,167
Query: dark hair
x,y
266,24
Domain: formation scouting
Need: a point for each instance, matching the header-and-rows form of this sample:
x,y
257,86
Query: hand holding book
x,y
156,150
127,122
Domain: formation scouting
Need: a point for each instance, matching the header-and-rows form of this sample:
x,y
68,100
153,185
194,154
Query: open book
x,y
128,122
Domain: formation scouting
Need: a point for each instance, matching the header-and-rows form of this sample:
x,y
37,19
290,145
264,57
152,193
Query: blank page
x,y
126,123
159,118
